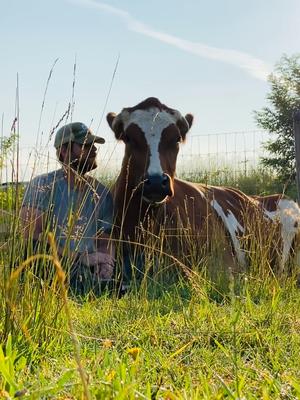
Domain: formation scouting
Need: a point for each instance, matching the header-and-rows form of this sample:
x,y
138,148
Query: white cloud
x,y
253,66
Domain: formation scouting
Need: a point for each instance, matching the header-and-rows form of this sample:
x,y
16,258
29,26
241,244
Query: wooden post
x,y
296,118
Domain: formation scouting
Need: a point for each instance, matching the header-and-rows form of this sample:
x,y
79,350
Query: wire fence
x,y
202,156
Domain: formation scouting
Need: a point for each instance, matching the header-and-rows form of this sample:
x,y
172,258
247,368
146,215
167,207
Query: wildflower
x,y
4,395
134,352
110,376
107,343
170,396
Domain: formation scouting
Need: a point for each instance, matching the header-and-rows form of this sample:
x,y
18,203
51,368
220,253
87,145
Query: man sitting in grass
x,y
77,208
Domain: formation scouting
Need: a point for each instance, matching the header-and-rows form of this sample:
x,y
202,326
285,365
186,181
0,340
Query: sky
x,y
211,59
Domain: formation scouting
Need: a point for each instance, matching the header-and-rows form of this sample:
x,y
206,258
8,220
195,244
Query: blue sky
x,y
207,58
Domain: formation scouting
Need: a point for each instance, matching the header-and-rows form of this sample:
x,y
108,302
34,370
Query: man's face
x,y
83,157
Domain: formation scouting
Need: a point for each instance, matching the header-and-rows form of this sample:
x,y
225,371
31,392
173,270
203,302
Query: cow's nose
x,y
165,181
157,181
157,186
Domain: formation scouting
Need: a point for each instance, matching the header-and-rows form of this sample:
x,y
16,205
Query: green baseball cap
x,y
76,132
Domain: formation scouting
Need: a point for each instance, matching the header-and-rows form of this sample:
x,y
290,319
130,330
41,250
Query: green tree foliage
x,y
6,145
284,99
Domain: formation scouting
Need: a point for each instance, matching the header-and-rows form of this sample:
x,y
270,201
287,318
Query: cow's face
x,y
152,136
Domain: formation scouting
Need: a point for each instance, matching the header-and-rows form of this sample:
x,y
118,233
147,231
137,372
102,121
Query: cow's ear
x,y
116,124
110,118
190,119
184,124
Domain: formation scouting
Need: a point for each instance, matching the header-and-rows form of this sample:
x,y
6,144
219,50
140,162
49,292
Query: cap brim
x,y
92,139
99,139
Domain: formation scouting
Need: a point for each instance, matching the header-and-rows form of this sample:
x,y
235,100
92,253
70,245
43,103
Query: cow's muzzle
x,y
157,188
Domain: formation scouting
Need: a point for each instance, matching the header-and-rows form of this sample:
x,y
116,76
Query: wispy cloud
x,y
252,65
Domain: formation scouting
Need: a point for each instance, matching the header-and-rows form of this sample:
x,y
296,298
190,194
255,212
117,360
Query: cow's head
x,y
152,133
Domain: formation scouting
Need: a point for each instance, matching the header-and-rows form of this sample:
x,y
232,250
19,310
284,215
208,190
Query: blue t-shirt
x,y
75,215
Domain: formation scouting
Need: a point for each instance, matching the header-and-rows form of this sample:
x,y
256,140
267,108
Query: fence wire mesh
x,y
203,157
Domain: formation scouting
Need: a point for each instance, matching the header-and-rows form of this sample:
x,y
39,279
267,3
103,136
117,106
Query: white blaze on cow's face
x,y
152,123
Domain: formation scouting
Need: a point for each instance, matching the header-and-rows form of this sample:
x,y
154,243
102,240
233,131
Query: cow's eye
x,y
178,139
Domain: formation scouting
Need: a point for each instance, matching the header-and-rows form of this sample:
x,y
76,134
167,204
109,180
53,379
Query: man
x,y
76,208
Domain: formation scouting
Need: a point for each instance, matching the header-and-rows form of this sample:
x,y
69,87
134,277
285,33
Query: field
x,y
212,335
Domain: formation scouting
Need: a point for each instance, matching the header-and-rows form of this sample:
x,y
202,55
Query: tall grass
x,y
179,345
189,327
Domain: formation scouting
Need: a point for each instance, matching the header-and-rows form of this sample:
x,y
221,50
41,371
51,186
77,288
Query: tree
x,y
284,98
7,143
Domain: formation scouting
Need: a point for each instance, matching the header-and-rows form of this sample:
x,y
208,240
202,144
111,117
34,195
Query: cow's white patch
x,y
288,215
233,226
152,122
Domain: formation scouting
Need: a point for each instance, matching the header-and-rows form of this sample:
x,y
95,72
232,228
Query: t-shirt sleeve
x,y
37,194
105,220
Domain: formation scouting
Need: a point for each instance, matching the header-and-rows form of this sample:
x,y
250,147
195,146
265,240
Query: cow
x,y
150,198
285,212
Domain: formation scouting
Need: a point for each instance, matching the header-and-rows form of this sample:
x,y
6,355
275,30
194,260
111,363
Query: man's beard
x,y
83,166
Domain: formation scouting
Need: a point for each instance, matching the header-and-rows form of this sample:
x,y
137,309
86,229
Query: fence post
x,y
296,125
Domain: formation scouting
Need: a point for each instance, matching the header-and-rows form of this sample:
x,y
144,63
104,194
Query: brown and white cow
x,y
149,196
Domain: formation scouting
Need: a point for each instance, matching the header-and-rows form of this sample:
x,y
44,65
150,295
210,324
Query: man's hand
x,y
103,264
104,272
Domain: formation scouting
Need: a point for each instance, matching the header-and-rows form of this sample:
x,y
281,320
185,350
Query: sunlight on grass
x,y
188,326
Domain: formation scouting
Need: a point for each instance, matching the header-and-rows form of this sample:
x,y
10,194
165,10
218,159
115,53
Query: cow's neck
x,y
132,209
125,187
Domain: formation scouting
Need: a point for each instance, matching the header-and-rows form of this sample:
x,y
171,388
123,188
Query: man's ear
x,y
63,152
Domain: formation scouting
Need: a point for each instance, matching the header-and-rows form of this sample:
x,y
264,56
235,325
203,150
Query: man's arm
x,y
103,259
106,247
34,228
32,222
34,206
104,243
